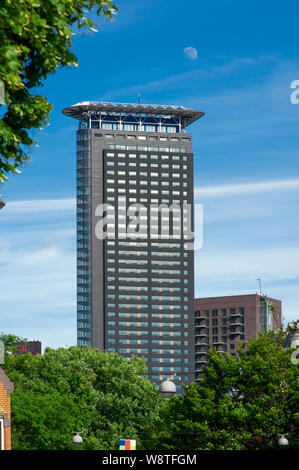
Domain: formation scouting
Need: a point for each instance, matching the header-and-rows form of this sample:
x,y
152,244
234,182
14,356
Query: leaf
x,y
35,40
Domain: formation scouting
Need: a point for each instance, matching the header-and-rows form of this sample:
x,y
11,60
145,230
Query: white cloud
x,y
245,188
276,262
260,240
38,292
36,205
69,204
38,283
224,271
228,68
42,257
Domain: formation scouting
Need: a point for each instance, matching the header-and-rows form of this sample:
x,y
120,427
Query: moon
x,y
190,53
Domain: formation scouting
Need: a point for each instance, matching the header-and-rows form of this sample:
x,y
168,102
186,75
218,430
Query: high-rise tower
x,y
136,290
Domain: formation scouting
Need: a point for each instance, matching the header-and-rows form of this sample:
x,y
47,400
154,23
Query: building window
x,y
107,126
149,128
129,127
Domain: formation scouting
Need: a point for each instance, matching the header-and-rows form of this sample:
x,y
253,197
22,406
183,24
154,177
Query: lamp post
x,y
167,388
282,441
77,439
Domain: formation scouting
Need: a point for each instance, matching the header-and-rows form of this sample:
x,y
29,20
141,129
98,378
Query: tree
x,y
35,39
77,389
12,342
243,402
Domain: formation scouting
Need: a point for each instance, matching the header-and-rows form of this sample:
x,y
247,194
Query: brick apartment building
x,y
6,388
29,347
225,322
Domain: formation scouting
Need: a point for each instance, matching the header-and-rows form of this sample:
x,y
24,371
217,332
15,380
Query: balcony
x,y
201,341
236,314
201,361
220,341
202,332
236,322
202,322
236,333
203,352
202,314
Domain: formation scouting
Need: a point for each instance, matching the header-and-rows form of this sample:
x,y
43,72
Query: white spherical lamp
x,y
167,389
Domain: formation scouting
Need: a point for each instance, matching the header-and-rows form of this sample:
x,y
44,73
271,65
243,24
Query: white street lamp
x,y
167,388
77,439
283,441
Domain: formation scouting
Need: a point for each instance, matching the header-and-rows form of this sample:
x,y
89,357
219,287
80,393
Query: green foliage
x,y
293,327
79,389
241,403
35,39
11,342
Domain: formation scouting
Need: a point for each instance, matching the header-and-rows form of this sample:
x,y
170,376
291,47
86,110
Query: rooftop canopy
x,y
82,111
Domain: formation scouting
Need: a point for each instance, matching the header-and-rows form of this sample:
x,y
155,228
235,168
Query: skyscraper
x,y
135,279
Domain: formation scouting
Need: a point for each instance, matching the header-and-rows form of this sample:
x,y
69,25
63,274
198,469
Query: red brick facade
x,y
31,347
225,322
6,388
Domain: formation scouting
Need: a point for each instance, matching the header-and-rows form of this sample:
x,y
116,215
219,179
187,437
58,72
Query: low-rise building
x,y
225,322
6,388
29,347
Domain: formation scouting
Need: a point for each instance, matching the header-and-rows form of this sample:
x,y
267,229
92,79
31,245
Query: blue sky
x,y
246,151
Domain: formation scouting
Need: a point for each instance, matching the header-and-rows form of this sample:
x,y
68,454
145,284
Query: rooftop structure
x,y
133,116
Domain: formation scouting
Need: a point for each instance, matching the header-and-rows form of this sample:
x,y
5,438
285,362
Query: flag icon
x,y
127,444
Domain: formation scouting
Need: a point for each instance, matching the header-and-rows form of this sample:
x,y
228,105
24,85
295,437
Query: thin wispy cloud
x,y
205,72
38,291
39,205
234,272
245,188
69,204
226,264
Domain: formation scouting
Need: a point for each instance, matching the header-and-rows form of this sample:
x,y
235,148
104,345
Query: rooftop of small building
x,y
237,296
85,109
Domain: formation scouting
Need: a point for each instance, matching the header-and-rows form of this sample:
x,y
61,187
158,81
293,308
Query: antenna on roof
x,y
138,98
259,279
